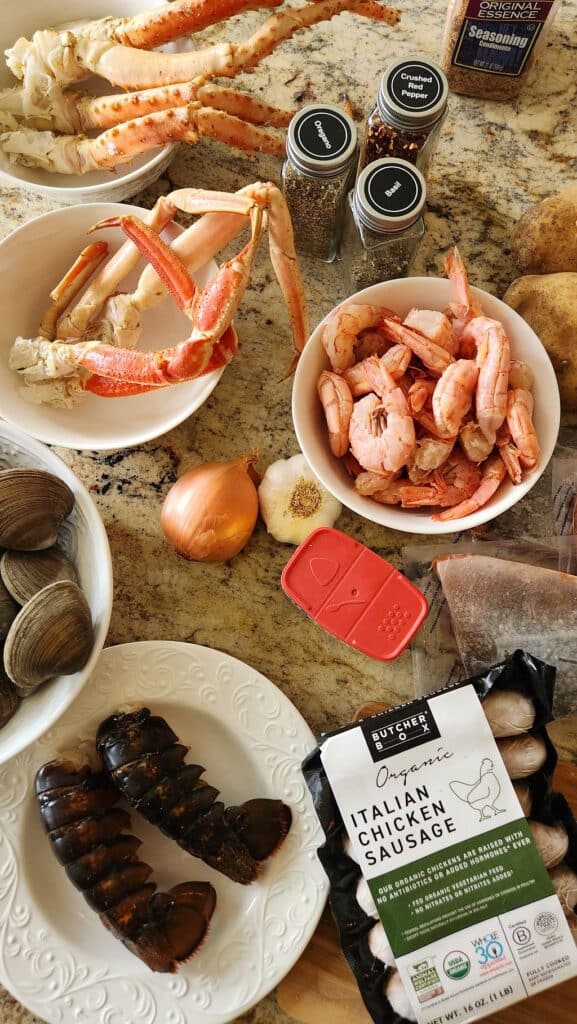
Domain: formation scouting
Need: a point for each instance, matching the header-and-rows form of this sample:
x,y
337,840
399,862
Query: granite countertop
x,y
493,160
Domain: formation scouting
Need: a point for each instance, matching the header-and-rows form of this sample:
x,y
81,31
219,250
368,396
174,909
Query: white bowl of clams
x,y
68,167
55,589
403,452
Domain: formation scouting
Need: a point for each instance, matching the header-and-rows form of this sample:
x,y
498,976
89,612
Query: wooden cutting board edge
x,y
321,988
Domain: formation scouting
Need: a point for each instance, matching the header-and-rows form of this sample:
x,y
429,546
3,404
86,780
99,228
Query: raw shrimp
x,y
453,395
474,443
493,475
396,360
435,326
337,402
456,481
520,423
494,360
341,331
435,358
382,433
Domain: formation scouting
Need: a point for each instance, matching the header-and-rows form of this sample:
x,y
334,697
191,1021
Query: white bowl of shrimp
x,y
434,446
27,114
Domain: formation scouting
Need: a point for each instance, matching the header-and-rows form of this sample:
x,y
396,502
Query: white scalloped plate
x,y
55,955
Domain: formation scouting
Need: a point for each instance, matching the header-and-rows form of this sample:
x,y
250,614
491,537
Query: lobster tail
x,y
144,760
87,837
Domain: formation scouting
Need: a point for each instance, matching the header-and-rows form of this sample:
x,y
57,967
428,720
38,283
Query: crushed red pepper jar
x,y
410,109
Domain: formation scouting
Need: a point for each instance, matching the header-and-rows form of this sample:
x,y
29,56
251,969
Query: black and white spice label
x,y
322,134
415,85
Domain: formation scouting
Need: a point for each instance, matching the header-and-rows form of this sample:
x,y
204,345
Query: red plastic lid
x,y
354,594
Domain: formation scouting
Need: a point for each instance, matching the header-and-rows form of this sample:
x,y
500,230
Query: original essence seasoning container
x,y
409,112
384,222
321,155
490,46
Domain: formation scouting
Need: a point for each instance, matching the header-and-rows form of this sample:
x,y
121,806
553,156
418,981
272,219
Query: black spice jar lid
x,y
321,140
390,195
412,93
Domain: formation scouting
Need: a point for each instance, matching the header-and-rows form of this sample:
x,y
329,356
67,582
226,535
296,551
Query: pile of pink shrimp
x,y
431,410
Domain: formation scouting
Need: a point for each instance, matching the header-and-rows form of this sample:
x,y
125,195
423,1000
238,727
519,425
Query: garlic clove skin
x,y
293,502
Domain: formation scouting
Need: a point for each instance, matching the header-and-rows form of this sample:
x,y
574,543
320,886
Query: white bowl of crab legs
x,y
94,94
425,404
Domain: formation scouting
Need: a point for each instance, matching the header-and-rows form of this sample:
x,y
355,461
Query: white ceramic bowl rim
x,y
401,295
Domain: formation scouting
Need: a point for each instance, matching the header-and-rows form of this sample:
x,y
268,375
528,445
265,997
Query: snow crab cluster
x,y
88,344
169,96
430,411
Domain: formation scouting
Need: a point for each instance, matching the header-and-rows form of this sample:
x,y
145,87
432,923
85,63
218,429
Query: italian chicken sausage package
x,y
489,597
451,861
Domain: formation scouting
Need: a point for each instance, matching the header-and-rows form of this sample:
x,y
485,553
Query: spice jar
x,y
490,46
384,222
410,109
319,169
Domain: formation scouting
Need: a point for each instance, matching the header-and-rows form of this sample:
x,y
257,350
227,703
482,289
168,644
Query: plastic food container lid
x,y
412,93
354,594
390,194
321,140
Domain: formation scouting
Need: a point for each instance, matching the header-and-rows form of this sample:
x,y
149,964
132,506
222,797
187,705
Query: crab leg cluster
x,y
102,367
172,101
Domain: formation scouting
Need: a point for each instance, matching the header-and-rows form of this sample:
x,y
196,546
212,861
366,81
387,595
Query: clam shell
x,y
9,698
33,504
8,611
24,573
51,635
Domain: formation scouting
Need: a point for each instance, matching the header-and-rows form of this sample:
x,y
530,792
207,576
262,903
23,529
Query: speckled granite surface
x,y
493,161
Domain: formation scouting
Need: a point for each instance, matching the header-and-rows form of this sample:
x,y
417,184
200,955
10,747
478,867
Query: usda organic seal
x,y
456,965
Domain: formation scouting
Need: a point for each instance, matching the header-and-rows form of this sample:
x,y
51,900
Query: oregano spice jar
x,y
410,109
384,222
321,157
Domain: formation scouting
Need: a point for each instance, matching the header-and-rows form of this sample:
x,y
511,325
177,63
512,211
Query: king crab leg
x,y
72,111
76,154
67,57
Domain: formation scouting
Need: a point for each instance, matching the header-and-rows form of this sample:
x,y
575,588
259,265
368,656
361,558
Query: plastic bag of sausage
x,y
452,862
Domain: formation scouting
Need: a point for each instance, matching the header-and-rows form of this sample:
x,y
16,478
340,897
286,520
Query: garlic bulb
x,y
292,501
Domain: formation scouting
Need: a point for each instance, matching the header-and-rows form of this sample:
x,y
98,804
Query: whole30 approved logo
x,y
402,729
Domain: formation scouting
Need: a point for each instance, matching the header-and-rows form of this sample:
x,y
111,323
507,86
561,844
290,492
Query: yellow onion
x,y
210,513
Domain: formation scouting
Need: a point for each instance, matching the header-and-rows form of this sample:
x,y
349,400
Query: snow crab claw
x,y
111,371
43,121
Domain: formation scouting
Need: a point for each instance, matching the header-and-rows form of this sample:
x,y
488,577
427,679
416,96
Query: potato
x,y
544,240
548,303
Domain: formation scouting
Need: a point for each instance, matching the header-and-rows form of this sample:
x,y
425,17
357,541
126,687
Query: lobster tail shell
x,y
261,825
138,749
85,830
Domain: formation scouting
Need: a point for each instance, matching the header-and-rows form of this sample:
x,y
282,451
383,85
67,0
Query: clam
x,y
24,573
33,504
8,610
51,635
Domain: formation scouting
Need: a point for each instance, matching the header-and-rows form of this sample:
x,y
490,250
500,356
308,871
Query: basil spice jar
x,y
321,157
410,109
384,222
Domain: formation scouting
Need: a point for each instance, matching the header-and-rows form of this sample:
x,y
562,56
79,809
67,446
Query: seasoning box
x,y
490,46
409,112
384,222
321,157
